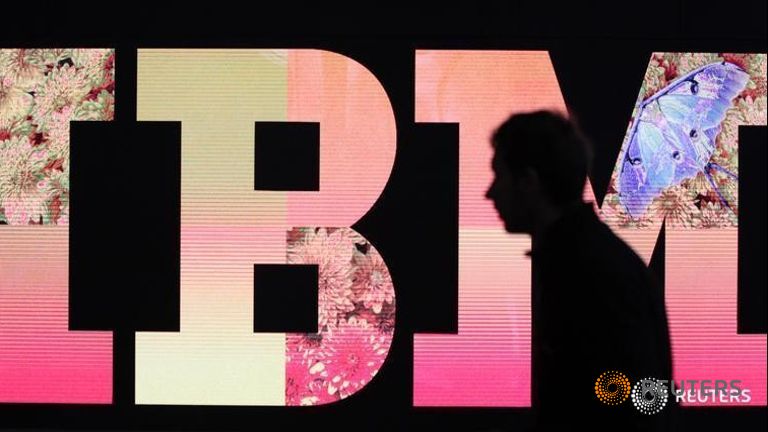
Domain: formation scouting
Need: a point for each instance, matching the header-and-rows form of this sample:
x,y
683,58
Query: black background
x,y
600,51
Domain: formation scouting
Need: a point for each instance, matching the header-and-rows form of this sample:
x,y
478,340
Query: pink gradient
x,y
41,361
217,273
701,303
488,362
357,136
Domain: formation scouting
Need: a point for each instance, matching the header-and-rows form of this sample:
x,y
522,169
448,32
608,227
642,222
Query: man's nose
x,y
489,192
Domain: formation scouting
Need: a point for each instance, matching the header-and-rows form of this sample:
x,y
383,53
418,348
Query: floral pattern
x,y
694,203
41,91
356,301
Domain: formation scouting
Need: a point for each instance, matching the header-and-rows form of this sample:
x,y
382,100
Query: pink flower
x,y
62,91
325,368
385,321
372,283
93,62
21,174
306,345
58,131
22,66
332,252
676,206
715,215
304,381
353,354
15,103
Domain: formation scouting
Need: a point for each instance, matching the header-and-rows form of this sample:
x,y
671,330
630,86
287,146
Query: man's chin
x,y
515,228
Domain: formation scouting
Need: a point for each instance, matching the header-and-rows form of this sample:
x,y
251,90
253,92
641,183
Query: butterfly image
x,y
673,135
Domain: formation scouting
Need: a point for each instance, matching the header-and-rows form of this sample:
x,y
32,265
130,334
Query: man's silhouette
x,y
595,305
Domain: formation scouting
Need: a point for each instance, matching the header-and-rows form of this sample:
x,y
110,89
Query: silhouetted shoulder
x,y
580,239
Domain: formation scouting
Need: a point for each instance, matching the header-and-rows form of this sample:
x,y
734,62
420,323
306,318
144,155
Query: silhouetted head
x,y
540,165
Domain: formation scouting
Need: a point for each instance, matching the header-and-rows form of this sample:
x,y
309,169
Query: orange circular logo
x,y
612,387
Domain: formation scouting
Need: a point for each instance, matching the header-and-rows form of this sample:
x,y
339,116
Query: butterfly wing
x,y
645,170
672,137
697,104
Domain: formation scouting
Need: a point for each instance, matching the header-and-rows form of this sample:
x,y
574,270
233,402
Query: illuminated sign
x,y
235,224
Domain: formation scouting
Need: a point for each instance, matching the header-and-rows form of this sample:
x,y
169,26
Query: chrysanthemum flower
x,y
15,103
332,252
22,66
353,354
372,283
62,91
23,187
676,206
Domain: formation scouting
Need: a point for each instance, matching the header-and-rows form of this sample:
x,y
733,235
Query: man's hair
x,y
552,146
